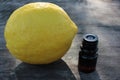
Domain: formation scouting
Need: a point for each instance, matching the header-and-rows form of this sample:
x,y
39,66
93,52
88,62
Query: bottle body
x,y
87,64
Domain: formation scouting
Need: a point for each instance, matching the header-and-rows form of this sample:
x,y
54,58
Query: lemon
x,y
39,33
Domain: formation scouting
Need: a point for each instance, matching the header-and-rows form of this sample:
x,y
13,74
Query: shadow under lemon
x,y
58,70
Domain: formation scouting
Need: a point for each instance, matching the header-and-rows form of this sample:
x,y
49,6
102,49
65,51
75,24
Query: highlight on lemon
x,y
39,33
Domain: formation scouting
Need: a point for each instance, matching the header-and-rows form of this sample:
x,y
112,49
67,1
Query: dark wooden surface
x,y
100,17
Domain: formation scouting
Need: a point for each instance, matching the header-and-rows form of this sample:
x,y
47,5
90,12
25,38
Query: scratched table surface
x,y
100,17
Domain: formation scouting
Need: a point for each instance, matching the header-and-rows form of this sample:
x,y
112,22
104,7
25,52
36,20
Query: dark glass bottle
x,y
88,54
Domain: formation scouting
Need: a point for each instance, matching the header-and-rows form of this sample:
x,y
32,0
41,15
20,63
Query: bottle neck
x,y
88,52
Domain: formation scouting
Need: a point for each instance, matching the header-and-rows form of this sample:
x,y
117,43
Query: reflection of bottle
x,y
87,55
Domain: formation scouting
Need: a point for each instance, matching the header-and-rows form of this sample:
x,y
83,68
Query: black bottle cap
x,y
90,42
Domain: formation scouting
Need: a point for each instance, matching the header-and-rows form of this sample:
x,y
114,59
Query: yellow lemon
x,y
39,33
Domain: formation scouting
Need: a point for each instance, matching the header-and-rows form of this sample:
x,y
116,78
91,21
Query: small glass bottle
x,y
88,54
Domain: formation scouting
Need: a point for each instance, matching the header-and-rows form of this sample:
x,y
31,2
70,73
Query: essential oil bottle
x,y
88,54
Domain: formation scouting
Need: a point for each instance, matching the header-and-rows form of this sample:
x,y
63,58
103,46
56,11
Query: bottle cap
x,y
90,42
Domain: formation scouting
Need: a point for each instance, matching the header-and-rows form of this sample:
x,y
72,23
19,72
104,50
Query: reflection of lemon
x,y
39,33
